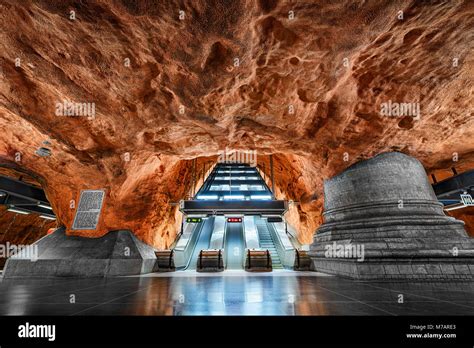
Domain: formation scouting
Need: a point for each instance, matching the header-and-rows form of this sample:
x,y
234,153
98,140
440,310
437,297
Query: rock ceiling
x,y
171,81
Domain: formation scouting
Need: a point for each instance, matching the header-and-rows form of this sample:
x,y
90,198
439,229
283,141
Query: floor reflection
x,y
234,295
238,294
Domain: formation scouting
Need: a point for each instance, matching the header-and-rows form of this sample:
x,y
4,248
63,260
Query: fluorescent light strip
x,y
266,197
206,197
456,207
45,206
240,197
47,217
18,211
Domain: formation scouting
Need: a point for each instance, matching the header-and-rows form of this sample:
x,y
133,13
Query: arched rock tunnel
x,y
241,75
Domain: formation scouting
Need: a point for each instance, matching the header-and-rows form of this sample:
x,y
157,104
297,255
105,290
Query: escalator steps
x,y
266,242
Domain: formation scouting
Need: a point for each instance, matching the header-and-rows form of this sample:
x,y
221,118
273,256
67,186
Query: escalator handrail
x,y
176,239
294,241
202,224
224,256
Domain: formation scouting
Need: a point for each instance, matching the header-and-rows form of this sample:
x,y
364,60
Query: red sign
x,y
234,219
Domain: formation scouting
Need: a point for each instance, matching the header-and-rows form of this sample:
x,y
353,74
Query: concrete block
x,y
117,253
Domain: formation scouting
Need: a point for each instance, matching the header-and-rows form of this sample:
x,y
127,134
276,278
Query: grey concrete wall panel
x,y
118,253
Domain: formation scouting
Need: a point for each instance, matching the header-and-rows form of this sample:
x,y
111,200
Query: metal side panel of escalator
x,y
184,246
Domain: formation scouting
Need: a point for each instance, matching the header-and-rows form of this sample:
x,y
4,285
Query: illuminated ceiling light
x,y
206,197
2,194
47,217
18,211
240,197
263,197
45,206
455,207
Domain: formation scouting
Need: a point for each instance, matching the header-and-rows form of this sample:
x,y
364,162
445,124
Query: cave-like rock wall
x,y
172,81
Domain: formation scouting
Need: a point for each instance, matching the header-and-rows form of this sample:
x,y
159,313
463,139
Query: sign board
x,y
88,211
274,219
234,219
193,220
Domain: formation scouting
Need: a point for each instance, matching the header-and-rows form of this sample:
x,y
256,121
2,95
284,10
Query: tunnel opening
x,y
26,215
234,222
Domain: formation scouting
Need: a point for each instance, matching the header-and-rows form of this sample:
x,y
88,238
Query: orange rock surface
x,y
173,81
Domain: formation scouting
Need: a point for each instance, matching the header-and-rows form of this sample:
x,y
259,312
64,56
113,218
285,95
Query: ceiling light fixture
x,y
18,211
47,217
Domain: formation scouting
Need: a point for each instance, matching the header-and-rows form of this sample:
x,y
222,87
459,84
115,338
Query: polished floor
x,y
232,293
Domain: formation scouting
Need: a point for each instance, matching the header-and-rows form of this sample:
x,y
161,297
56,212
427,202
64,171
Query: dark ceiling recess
x,y
23,198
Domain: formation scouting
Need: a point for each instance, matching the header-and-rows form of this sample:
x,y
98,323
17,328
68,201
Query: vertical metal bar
x,y
271,174
203,174
455,172
194,177
434,179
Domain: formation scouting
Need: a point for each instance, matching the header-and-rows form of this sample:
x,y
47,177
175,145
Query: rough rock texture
x,y
466,215
236,74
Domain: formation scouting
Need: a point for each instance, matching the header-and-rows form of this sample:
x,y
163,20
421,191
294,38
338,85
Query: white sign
x,y
467,199
88,211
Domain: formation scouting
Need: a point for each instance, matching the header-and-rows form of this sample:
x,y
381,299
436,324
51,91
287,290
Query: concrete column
x,y
382,220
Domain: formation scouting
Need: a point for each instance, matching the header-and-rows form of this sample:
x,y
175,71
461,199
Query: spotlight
x,y
43,152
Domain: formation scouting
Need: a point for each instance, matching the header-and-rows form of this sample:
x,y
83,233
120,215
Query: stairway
x,y
266,242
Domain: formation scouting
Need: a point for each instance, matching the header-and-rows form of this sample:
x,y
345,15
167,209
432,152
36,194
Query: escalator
x,y
202,242
234,246
250,243
266,242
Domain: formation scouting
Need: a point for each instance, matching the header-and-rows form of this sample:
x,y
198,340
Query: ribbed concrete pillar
x,y
383,221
